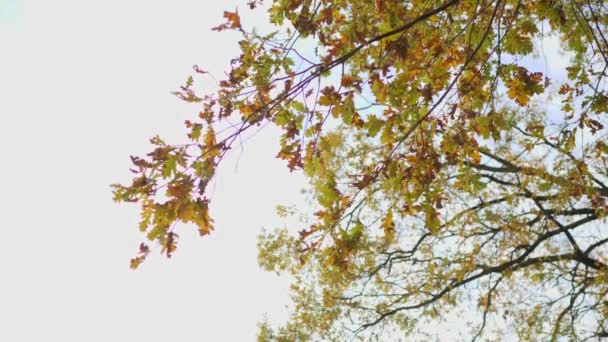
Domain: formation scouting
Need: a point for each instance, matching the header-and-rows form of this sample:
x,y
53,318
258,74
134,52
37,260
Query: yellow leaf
x,y
388,225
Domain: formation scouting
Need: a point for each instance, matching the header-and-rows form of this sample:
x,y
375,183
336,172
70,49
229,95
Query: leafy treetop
x,y
447,168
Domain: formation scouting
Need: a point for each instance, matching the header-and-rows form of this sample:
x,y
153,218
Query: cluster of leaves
x,y
441,175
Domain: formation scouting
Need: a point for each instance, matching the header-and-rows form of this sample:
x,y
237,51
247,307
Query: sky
x,y
84,84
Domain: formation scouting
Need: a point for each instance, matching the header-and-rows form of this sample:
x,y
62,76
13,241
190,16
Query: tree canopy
x,y
456,173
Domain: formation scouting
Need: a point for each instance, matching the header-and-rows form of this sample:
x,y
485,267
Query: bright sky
x,y
83,84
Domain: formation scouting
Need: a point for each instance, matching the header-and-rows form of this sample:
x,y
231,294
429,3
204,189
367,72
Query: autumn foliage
x,y
456,174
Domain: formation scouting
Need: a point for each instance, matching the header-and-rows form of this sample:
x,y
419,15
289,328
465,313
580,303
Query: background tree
x,y
451,175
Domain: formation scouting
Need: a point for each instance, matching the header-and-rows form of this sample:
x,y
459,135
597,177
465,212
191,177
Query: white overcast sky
x,y
83,84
